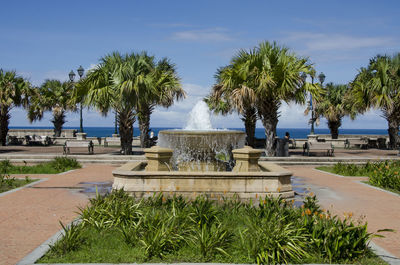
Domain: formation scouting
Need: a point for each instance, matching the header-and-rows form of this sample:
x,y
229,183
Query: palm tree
x,y
14,92
378,86
224,99
269,74
162,88
53,96
332,106
111,85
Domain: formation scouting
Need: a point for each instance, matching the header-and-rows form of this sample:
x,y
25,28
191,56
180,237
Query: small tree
x,y
14,92
162,88
269,74
378,86
53,96
332,107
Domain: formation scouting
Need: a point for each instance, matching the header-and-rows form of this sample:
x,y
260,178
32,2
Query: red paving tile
x,y
345,194
30,216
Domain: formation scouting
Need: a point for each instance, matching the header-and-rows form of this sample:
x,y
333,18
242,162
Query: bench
x,y
74,143
318,146
36,139
292,143
115,141
362,143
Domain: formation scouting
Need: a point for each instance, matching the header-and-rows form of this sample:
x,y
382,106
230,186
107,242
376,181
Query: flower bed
x,y
119,229
381,174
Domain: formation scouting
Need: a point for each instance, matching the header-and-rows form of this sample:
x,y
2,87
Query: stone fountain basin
x,y
271,180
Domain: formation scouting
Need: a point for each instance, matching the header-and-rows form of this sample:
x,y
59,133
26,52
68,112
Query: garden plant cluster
x,y
384,174
57,165
118,228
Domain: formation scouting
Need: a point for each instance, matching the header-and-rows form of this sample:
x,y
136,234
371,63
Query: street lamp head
x,y
321,77
71,76
303,76
80,71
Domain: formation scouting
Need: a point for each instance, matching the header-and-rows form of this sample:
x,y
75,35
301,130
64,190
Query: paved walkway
x,y
347,194
113,150
30,216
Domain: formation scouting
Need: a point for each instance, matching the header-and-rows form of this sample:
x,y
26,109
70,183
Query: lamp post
x,y
80,73
71,76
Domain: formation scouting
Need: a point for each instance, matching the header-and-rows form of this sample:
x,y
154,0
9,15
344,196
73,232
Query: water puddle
x,y
89,188
300,190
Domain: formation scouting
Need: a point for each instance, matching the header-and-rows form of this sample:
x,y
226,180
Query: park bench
x,y
37,139
113,141
74,143
357,142
292,143
318,146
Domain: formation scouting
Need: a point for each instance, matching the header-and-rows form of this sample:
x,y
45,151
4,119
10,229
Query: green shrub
x,y
63,163
71,240
57,165
175,229
381,174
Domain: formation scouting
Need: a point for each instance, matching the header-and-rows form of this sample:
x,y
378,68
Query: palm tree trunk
x,y
126,120
4,121
334,127
144,126
393,132
268,112
58,122
250,118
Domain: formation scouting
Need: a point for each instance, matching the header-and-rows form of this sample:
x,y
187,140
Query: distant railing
x,y
68,133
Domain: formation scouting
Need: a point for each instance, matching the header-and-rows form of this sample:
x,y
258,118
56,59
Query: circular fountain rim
x,y
200,132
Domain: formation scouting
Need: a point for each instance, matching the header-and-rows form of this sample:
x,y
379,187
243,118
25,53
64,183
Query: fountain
x,y
196,147
199,159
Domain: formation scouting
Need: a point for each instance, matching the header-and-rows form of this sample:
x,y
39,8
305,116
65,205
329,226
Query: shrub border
x,y
37,181
41,250
360,181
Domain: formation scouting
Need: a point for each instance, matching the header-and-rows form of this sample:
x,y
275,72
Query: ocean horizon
x,y
259,133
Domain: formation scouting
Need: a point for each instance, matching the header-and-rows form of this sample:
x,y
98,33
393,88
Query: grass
x,y
119,229
384,175
57,165
8,183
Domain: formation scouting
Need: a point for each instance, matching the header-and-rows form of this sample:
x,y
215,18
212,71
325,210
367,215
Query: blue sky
x,y
46,39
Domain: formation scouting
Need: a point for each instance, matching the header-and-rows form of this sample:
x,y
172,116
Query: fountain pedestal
x,y
246,159
158,158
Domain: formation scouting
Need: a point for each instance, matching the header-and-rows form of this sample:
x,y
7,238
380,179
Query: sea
x,y
299,133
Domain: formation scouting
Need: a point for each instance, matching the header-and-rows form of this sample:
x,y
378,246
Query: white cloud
x,y
327,42
204,35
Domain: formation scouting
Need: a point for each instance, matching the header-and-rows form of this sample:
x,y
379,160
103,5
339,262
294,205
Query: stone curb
x,y
385,255
25,186
39,252
359,181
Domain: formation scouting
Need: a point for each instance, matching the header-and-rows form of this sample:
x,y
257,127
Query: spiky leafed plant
x,y
162,88
226,99
332,107
53,96
378,86
115,83
270,74
14,92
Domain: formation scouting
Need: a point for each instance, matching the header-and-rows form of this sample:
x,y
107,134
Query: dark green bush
x,y
57,165
176,229
381,174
